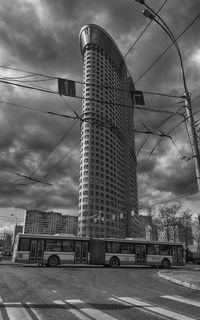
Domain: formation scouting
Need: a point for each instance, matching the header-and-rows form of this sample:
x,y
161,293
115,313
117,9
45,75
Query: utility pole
x,y
152,15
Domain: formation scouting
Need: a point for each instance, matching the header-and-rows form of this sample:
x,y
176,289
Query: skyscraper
x,y
108,184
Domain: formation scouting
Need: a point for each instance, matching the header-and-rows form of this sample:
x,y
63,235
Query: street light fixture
x,y
12,214
151,14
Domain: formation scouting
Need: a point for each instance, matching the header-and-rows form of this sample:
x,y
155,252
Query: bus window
x,y
24,244
108,247
153,249
126,247
53,245
68,245
165,249
116,247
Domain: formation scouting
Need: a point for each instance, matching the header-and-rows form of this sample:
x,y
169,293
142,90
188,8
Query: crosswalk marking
x,y
36,313
79,315
183,300
154,309
92,312
18,313
85,311
1,303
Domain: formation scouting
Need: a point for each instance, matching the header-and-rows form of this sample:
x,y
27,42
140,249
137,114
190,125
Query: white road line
x,y
92,312
36,313
183,300
168,313
1,303
18,313
135,302
73,311
154,309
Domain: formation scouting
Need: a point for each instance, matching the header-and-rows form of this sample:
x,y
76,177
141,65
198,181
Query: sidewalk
x,y
188,276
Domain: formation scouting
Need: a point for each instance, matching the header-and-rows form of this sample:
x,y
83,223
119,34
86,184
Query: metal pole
x,y
194,137
151,14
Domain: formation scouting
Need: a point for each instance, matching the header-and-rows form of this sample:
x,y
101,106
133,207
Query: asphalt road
x,y
74,292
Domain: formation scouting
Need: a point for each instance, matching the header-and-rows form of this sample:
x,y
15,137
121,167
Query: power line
x,y
38,110
162,94
156,128
28,87
78,82
25,176
170,200
28,72
153,109
55,166
188,26
133,45
53,149
161,139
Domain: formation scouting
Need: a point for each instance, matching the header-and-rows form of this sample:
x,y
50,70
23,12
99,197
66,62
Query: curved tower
x,y
108,183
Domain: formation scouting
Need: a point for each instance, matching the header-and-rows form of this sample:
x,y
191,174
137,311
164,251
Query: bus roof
x,y
50,236
73,237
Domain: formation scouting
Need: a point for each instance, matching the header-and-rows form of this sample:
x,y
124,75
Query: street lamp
x,y
151,14
15,231
12,214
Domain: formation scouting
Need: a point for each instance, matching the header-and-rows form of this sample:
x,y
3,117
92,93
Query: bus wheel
x,y
53,261
165,264
114,262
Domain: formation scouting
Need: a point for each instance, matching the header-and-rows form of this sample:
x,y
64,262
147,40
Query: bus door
x,y
177,254
81,252
36,251
40,252
33,251
140,254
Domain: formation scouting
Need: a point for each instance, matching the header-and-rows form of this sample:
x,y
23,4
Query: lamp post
x,y
151,14
15,230
12,214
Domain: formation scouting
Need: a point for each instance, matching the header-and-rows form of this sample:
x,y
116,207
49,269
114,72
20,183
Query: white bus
x,y
57,250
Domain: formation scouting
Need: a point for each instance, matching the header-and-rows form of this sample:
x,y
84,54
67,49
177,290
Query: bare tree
x,y
196,231
166,220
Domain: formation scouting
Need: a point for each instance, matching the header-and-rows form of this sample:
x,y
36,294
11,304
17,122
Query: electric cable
x,y
64,157
170,200
188,26
53,149
39,110
133,45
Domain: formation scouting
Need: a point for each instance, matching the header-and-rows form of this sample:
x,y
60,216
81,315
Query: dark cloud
x,y
42,37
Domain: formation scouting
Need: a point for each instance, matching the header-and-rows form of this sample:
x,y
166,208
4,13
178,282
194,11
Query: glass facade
x,y
108,184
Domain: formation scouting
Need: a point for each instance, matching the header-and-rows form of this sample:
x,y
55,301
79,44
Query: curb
x,y
179,282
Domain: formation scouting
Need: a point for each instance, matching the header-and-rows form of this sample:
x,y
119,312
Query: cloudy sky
x,y
40,42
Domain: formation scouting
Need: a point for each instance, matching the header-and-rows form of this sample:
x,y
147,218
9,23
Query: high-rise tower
x,y
108,183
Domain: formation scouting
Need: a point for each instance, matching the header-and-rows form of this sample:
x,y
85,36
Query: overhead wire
x,y
28,72
171,44
161,139
56,165
54,147
29,87
38,110
169,200
155,128
133,45
25,176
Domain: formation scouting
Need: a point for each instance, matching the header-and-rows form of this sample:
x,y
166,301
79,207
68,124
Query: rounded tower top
x,y
94,34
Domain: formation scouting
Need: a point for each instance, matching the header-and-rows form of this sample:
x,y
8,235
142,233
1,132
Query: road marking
x,y
1,303
183,300
97,314
35,312
154,309
17,313
73,311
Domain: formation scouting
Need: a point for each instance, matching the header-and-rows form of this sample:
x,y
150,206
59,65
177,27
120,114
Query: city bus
x,y
55,250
